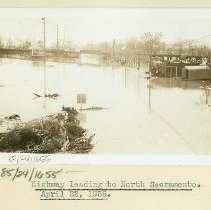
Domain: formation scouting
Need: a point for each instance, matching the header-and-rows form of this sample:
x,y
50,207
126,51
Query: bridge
x,y
93,52
93,57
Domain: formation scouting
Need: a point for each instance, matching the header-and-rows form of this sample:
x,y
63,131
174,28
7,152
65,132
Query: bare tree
x,y
1,43
151,43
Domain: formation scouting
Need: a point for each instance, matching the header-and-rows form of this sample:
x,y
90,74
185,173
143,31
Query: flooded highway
x,y
139,115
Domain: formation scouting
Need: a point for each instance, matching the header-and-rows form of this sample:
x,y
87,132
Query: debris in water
x,y
51,65
94,108
37,95
54,95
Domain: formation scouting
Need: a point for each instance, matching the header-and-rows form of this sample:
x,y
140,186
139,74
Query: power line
x,y
209,35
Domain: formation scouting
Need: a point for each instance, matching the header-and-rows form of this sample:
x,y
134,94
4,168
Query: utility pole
x,y
44,44
57,37
125,70
113,48
64,39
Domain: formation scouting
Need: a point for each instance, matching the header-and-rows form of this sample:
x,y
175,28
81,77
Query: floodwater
x,y
155,116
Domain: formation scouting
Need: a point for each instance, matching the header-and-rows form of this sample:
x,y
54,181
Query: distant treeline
x,y
17,53
151,43
132,51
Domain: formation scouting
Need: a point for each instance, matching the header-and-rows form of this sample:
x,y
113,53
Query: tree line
x,y
148,43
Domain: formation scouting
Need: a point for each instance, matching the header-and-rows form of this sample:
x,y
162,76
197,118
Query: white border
x,y
25,158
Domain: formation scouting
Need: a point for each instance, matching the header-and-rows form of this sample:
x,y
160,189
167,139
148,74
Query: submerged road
x,y
170,117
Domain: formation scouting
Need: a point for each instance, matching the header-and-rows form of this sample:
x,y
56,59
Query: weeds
x,y
53,134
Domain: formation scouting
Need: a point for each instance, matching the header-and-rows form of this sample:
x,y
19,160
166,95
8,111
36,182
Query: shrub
x,y
19,139
51,134
49,146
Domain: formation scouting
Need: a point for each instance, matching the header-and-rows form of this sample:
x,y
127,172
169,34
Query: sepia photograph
x,y
105,81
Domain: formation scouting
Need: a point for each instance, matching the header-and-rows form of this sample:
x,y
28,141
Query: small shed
x,y
196,73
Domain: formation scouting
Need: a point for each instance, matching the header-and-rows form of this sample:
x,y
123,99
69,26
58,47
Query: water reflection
x,y
207,96
44,85
160,82
90,59
201,86
150,100
37,63
141,116
125,76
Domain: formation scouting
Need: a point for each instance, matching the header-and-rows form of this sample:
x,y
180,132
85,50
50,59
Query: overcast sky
x,y
90,25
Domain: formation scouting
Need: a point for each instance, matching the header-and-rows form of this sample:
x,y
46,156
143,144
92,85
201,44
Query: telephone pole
x,y
113,48
64,39
57,37
44,44
113,51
